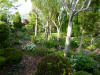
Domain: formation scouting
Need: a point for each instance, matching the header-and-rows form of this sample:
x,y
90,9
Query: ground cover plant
x,y
49,37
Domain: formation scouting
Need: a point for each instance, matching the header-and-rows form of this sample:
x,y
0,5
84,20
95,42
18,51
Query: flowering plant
x,y
29,46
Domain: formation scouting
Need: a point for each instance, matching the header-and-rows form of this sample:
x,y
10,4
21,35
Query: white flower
x,y
29,46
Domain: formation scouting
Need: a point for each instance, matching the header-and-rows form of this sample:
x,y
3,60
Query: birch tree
x,y
36,22
72,7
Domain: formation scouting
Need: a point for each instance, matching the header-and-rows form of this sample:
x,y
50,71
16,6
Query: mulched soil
x,y
27,65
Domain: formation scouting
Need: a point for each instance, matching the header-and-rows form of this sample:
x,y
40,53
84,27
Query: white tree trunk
x,y
46,31
68,37
50,30
36,24
58,33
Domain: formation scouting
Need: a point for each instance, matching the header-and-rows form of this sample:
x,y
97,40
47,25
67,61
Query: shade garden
x,y
59,37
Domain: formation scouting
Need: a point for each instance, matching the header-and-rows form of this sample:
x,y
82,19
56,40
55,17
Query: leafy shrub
x,y
54,43
12,56
29,46
97,57
39,51
96,72
73,44
53,65
17,21
1,52
91,47
82,73
81,61
2,61
61,53
4,31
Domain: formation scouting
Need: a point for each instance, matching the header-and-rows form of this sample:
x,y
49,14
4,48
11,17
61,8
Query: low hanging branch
x,y
72,10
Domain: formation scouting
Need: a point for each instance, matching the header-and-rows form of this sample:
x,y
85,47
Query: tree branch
x,y
65,6
76,4
54,23
83,9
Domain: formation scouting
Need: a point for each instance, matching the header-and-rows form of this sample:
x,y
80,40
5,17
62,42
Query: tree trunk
x,y
46,32
50,30
68,37
58,33
92,39
36,24
82,37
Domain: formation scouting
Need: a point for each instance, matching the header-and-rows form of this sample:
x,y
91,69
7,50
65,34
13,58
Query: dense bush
x,y
4,31
91,47
73,44
12,56
82,73
53,65
61,53
81,61
2,61
17,21
96,72
39,51
54,43
97,57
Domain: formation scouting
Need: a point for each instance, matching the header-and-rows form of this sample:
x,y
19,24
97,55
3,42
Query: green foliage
x,y
97,57
2,61
91,47
82,73
4,31
1,52
61,53
17,21
53,65
96,72
12,56
54,43
29,46
3,17
73,44
76,27
39,51
81,61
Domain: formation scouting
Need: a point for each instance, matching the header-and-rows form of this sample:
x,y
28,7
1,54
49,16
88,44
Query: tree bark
x,y
46,31
68,37
50,30
58,33
36,24
92,39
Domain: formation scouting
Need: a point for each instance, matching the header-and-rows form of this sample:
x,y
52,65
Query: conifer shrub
x,y
2,61
82,73
12,56
4,31
53,65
